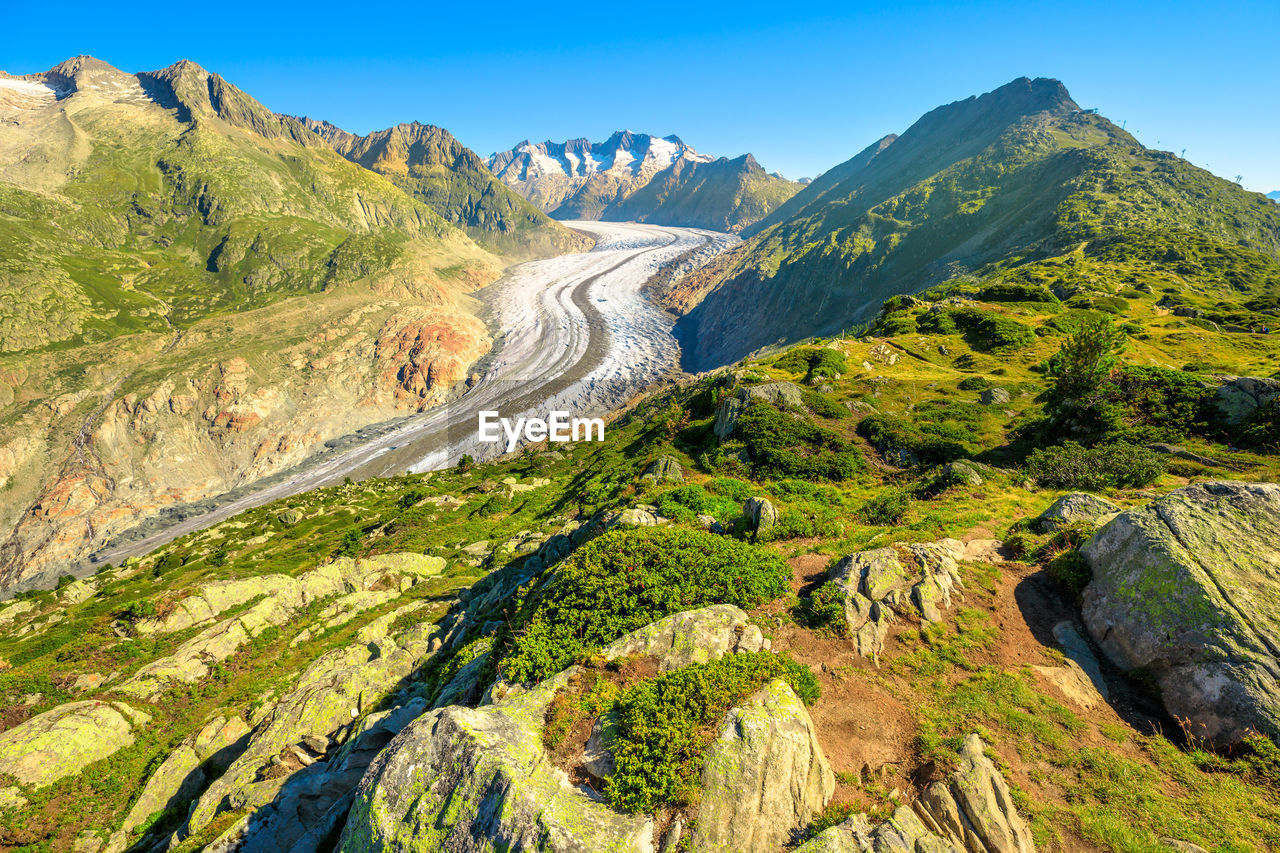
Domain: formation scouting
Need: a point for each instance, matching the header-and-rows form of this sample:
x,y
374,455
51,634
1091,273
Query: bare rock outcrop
x,y
66,739
1187,588
971,812
765,777
878,587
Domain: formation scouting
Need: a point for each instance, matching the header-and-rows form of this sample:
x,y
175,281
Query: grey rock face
x,y
1074,507
972,812
664,469
477,779
878,587
994,397
1187,587
765,776
1238,396
761,513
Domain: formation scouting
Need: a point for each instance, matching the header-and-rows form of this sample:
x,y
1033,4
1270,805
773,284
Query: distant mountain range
x,y
1275,196
640,177
1019,182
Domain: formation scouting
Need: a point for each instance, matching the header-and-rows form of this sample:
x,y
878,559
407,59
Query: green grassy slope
x,y
980,187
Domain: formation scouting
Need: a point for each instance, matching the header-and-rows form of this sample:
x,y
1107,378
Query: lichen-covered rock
x,y
692,636
183,775
282,598
784,395
761,513
972,812
664,469
765,776
1072,508
477,779
321,712
1237,397
878,587
1187,588
66,739
994,397
472,780
727,417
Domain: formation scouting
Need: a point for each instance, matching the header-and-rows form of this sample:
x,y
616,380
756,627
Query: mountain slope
x,y
1018,176
197,293
1274,196
723,195
431,165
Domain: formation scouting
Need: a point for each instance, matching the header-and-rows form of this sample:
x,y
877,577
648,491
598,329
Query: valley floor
x,y
575,334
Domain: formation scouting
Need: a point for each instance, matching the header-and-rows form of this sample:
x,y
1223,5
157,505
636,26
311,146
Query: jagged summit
x,y
579,179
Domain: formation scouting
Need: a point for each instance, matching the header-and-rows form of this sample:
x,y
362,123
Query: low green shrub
x,y
821,404
685,503
625,579
973,383
665,725
823,610
895,436
886,507
784,446
1071,466
990,332
1013,292
813,362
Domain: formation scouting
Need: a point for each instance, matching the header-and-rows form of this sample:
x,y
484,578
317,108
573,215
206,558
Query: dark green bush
x,y
685,503
813,362
784,446
937,323
823,611
626,579
893,436
1013,292
1071,466
886,508
1260,429
973,383
665,725
990,332
821,404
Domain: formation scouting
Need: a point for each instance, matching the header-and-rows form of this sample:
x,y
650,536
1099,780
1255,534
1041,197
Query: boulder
x,y
1187,588
764,777
971,812
958,473
784,395
64,740
727,417
1074,507
760,513
664,469
1237,397
877,587
692,636
994,397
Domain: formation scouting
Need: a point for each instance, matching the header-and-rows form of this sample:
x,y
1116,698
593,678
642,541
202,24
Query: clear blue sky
x,y
801,85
